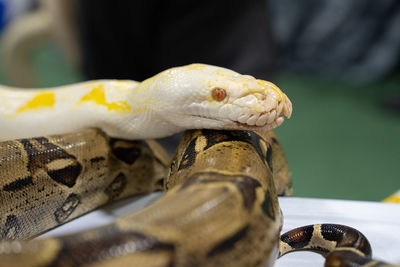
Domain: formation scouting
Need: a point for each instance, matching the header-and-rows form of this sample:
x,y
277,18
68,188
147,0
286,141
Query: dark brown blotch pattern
x,y
298,238
18,184
228,243
189,156
11,228
41,153
346,237
216,137
107,243
246,185
126,151
66,209
116,187
349,258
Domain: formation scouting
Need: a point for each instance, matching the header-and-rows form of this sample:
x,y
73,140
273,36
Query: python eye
x,y
218,94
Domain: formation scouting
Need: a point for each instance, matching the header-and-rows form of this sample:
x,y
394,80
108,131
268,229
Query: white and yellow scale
x,y
188,97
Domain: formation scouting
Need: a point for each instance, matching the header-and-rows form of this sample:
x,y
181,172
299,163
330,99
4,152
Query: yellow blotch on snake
x,y
270,85
97,95
42,100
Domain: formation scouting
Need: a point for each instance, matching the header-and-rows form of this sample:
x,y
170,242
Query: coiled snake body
x,y
221,203
214,212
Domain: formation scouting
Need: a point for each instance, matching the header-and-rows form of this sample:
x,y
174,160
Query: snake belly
x,y
47,181
221,208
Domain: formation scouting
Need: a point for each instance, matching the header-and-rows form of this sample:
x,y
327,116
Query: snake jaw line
x,y
234,118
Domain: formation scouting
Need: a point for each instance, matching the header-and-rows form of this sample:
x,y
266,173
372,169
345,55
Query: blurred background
x,y
337,60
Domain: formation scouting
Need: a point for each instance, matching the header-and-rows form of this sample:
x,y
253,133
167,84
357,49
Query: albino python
x,y
191,97
221,203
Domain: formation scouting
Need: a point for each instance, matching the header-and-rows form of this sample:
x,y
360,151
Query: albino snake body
x,y
190,97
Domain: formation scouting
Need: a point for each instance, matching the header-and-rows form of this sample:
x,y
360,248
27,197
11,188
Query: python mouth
x,y
269,115
255,121
261,125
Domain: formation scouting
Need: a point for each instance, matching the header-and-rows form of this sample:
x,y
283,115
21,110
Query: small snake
x,y
341,245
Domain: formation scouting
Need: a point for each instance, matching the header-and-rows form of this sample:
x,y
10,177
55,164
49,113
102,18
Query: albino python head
x,y
204,96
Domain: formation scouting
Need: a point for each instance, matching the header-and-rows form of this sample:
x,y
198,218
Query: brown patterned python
x,y
217,210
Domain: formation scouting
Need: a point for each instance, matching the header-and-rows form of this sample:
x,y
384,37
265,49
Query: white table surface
x,y
379,222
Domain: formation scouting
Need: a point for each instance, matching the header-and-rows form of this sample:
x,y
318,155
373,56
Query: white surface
x,y
379,222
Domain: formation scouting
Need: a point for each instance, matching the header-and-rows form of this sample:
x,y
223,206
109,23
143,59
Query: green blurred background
x,y
341,142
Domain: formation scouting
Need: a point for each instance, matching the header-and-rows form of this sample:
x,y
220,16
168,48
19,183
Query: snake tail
x,y
342,246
